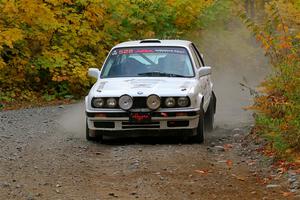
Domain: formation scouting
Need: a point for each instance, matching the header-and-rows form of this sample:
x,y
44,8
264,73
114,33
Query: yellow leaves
x,y
10,7
282,27
9,36
149,34
188,11
95,14
2,64
58,40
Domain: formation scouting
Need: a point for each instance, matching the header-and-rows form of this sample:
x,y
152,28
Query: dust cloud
x,y
73,120
234,56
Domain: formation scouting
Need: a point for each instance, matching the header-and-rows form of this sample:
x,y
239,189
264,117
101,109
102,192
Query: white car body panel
x,y
196,88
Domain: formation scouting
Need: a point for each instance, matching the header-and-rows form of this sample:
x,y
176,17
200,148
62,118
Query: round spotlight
x,y
125,102
153,102
170,102
183,101
98,102
111,102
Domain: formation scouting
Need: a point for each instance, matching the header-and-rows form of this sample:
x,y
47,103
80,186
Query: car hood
x,y
115,87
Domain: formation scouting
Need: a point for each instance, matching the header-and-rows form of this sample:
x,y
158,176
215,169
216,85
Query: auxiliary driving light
x,y
125,102
153,102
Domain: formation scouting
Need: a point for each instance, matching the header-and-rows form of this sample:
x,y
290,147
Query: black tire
x,y
209,117
97,137
199,137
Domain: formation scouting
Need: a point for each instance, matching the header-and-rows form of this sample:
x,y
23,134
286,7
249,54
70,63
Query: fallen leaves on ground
x,y
203,172
229,163
287,194
240,178
227,146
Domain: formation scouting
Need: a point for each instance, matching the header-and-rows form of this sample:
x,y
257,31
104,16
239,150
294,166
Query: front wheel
x,y
210,114
199,131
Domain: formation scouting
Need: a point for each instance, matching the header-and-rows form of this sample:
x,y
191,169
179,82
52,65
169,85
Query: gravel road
x,y
41,158
44,154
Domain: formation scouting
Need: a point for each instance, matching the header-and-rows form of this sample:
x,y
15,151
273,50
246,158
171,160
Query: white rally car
x,y
151,87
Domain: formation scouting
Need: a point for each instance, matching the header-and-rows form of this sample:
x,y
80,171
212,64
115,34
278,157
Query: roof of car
x,y
154,42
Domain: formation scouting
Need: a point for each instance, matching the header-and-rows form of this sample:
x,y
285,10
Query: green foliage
x,y
47,46
219,11
278,108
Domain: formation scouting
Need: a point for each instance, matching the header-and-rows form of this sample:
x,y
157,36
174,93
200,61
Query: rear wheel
x,y
199,131
210,114
92,135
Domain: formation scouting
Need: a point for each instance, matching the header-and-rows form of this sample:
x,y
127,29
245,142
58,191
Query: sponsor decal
x,y
144,51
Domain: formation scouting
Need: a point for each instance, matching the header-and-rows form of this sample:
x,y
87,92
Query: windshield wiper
x,y
160,74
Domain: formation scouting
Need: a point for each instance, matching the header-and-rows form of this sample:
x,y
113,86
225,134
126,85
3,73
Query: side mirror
x,y
204,71
94,72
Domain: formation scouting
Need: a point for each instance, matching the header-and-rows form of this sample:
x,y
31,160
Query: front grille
x,y
139,102
129,125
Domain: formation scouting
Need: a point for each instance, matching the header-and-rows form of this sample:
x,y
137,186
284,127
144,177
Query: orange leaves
x,y
202,172
277,107
227,146
229,163
287,194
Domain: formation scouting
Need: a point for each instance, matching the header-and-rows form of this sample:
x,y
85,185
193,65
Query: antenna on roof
x,y
150,41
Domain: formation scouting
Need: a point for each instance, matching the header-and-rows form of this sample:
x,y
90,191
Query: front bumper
x,y
119,121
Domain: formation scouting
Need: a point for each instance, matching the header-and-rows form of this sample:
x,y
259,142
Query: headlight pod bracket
x,y
140,102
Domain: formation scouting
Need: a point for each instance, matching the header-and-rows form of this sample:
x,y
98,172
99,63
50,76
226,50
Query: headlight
x,y
153,102
98,102
170,102
183,101
125,102
111,102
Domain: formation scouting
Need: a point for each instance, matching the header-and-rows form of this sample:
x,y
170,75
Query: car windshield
x,y
149,62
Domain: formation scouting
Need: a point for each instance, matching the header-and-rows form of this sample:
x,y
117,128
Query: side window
x,y
195,57
198,55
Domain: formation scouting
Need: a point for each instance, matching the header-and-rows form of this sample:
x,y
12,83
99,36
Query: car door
x,y
205,81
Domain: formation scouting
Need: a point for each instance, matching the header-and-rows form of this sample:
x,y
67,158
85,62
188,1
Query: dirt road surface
x,y
44,154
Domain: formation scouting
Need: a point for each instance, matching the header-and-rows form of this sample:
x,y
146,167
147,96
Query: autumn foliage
x,y
278,106
47,46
